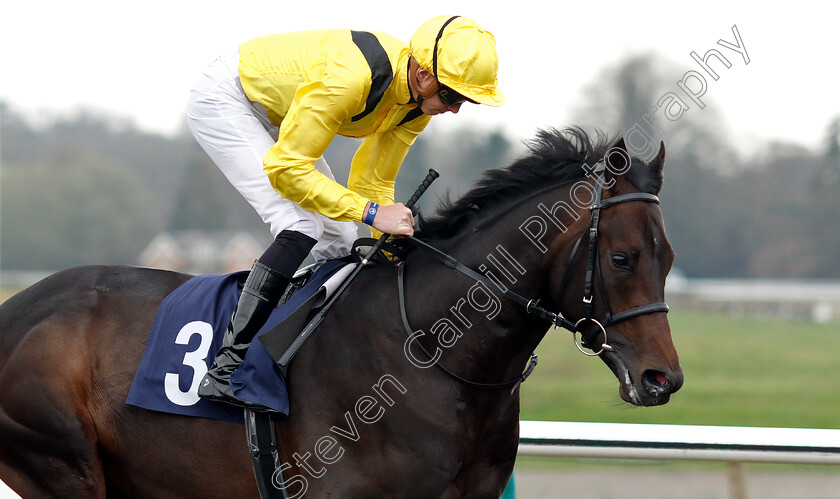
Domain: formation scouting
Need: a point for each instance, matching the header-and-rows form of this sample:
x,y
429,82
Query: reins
x,y
531,306
511,383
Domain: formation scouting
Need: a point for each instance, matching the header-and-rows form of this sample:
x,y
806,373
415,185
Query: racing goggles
x,y
450,97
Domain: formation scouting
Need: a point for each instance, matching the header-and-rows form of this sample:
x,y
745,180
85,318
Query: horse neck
x,y
496,336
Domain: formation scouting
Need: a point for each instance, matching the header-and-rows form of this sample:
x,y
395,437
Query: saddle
x,y
284,340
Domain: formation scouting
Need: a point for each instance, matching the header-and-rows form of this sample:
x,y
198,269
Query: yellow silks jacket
x,y
317,84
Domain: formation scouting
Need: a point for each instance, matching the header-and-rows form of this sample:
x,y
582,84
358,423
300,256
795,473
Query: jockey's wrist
x,y
370,213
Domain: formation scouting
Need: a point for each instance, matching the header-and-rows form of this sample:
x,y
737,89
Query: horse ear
x,y
658,163
617,163
618,157
619,144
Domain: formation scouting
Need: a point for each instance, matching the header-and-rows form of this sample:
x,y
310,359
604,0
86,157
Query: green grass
x,y
738,371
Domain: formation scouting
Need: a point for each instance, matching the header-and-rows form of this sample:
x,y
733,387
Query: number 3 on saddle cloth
x,y
187,333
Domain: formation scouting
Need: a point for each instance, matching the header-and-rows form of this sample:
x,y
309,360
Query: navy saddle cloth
x,y
186,334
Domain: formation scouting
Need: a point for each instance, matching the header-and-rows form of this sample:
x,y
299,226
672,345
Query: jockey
x,y
266,114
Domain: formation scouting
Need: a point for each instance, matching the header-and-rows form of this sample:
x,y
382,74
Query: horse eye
x,y
620,260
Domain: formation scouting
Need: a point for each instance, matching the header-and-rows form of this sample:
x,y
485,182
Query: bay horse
x,y
369,416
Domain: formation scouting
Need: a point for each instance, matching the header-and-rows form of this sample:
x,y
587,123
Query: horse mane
x,y
554,157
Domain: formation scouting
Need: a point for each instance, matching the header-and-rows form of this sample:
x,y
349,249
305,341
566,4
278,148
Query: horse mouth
x,y
654,388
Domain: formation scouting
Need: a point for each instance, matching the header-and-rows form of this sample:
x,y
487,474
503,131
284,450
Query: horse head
x,y
611,279
594,249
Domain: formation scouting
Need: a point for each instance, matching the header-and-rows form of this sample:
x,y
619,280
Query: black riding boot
x,y
262,290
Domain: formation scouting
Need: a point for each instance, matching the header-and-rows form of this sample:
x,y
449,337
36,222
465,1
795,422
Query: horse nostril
x,y
661,378
657,382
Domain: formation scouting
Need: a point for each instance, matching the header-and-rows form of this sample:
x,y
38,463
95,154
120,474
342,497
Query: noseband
x,y
593,272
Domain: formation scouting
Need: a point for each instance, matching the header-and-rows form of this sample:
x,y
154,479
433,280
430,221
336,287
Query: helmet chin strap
x,y
414,83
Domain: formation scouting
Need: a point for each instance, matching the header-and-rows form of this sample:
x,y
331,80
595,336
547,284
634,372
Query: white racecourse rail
x,y
733,444
679,442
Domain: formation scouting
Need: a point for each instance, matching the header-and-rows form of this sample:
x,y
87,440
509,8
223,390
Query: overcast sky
x,y
138,60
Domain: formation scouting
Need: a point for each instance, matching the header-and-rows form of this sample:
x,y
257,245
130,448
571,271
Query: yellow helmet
x,y
461,55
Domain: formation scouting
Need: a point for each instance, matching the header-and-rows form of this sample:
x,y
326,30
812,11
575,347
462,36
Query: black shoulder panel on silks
x,y
414,113
380,69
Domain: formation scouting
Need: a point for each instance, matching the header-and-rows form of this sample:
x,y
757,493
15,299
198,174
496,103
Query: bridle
x,y
532,307
593,272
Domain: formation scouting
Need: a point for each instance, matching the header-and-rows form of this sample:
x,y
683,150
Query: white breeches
x,y
237,135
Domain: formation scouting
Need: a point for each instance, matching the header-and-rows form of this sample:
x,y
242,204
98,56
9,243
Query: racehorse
x,y
371,414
